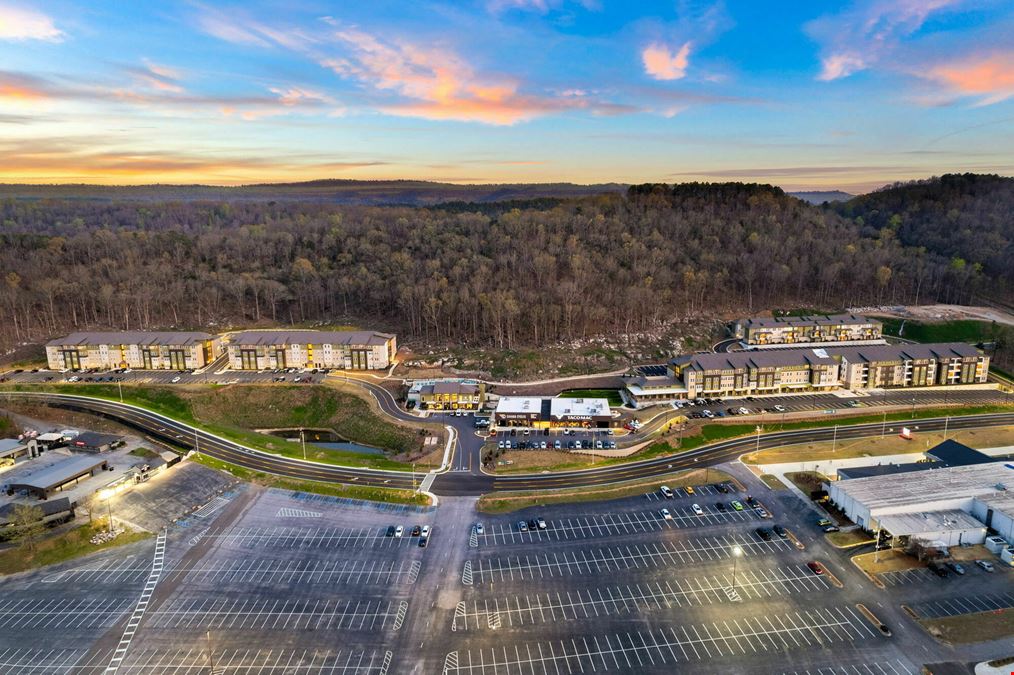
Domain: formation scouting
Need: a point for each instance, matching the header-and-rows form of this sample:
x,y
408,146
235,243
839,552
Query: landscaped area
x,y
968,628
958,330
890,444
62,546
233,411
611,395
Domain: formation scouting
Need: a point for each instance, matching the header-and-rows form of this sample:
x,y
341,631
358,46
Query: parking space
x,y
610,525
634,598
195,661
715,490
63,613
897,667
915,575
307,538
290,572
657,554
662,648
279,614
964,605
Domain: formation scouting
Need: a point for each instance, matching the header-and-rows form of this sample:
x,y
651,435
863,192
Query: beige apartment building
x,y
912,365
800,330
133,349
346,350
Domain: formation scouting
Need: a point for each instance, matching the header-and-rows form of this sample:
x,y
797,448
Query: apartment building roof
x,y
814,320
311,337
756,359
872,353
130,337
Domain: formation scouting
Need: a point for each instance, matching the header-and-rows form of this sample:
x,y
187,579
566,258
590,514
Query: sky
x,y
820,95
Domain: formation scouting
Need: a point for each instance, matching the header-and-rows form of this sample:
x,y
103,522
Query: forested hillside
x,y
966,218
551,270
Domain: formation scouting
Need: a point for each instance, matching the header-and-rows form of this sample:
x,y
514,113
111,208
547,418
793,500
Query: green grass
x,y
372,494
612,395
7,427
172,404
62,547
959,330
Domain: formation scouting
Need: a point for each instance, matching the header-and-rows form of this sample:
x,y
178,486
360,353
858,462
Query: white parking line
x,y
612,559
909,576
51,613
196,662
635,650
964,605
897,667
292,537
239,614
610,525
580,604
256,571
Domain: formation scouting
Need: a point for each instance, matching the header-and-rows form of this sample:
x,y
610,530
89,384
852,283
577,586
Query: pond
x,y
325,439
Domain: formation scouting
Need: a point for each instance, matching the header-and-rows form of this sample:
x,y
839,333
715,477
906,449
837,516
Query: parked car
x,y
763,533
398,531
780,531
985,564
416,531
720,506
665,514
938,569
815,567
823,522
956,567
522,526
762,513
737,506
721,488
666,491
479,529
425,531
697,509
542,523
533,524
831,528
423,542
779,408
690,490
390,530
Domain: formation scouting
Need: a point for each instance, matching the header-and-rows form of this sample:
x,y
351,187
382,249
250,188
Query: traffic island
x,y
872,618
968,628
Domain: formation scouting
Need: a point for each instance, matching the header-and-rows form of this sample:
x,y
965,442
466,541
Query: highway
x,y
186,436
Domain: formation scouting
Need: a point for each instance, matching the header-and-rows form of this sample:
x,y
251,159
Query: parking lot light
x,y
737,551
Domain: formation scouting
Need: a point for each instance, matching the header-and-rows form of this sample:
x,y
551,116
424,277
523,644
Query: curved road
x,y
464,483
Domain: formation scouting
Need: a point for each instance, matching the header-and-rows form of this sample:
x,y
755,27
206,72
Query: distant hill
x,y
364,192
819,197
966,218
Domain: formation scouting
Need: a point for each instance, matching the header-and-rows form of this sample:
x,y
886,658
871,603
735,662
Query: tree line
x,y
536,273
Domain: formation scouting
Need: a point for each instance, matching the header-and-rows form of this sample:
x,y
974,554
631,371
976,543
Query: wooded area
x,y
487,276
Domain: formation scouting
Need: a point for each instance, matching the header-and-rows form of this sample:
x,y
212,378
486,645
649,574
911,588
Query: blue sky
x,y
824,95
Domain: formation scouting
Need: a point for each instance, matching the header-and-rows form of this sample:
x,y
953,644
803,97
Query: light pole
x,y
946,421
757,444
119,385
834,439
737,551
883,426
197,443
302,441
913,407
211,655
109,509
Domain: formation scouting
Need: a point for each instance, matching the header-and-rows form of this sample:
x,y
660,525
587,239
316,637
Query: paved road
x,y
462,482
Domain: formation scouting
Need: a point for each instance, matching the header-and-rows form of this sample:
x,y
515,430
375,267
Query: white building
x,y
926,504
347,350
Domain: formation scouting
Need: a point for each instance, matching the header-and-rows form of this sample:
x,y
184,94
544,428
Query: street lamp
x,y
737,551
834,439
757,445
107,497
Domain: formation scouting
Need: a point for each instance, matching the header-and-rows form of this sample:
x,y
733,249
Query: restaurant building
x,y
546,413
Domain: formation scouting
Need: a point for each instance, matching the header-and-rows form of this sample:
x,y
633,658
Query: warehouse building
x,y
545,413
346,350
911,365
951,505
91,441
448,395
133,349
59,476
12,449
808,330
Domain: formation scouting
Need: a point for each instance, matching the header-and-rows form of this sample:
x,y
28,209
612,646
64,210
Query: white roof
x,y
519,404
902,524
896,491
51,436
578,407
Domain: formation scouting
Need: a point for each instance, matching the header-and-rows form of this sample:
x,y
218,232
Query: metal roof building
x,y
131,337
54,478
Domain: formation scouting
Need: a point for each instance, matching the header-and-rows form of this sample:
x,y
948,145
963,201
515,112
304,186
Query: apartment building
x,y
347,350
911,365
812,330
450,396
133,349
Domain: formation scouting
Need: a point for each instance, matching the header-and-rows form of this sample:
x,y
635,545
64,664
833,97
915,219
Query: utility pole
x,y
757,445
946,421
883,426
197,443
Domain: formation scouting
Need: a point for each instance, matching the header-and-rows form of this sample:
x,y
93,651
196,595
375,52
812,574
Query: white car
x,y
666,491
479,529
743,411
175,379
398,531
697,509
425,531
73,378
779,408
665,514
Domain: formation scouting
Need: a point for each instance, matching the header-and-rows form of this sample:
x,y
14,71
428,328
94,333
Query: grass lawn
x,y
61,547
848,539
773,482
807,481
891,560
891,444
233,411
959,330
372,494
508,502
968,628
612,395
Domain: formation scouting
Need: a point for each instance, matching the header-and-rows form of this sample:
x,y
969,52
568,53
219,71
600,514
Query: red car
x,y
815,567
